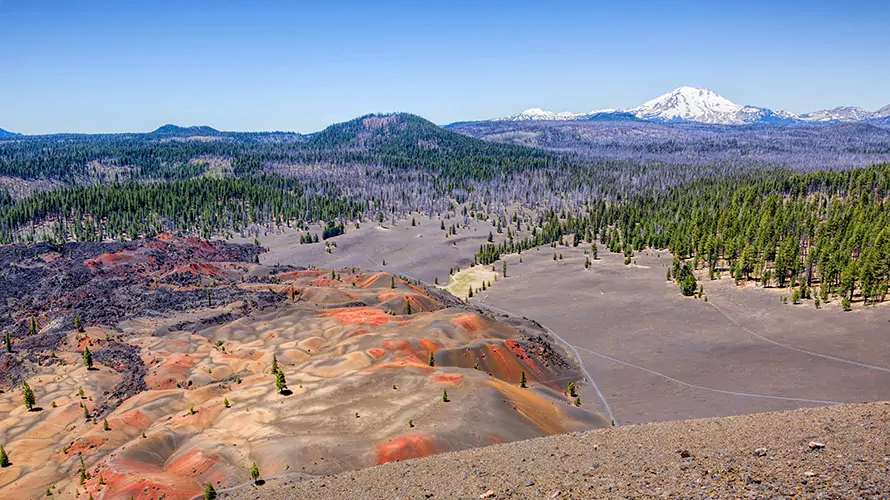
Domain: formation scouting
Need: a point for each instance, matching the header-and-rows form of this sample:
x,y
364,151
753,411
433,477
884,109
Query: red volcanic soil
x,y
114,259
408,447
376,352
137,480
405,353
201,268
378,280
193,462
197,242
469,322
449,378
505,361
292,275
325,282
84,445
429,345
358,315
134,418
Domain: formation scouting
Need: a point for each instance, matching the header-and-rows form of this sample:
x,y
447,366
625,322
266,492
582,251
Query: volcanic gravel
x,y
827,452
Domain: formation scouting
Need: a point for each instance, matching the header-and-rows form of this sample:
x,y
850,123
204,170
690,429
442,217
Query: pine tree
x,y
28,396
32,330
432,361
254,472
522,382
87,358
571,390
280,382
209,492
445,396
77,325
275,368
4,458
8,342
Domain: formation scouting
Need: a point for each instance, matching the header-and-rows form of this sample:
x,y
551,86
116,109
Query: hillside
x,y
403,140
767,455
159,365
6,133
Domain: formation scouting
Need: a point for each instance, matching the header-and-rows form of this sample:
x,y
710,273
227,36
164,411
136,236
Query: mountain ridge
x,y
7,133
703,105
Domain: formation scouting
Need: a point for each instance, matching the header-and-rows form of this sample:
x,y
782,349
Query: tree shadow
x,y
286,392
36,409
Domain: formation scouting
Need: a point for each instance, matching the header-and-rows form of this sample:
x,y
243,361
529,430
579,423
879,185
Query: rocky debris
x,y
541,347
760,452
125,359
816,445
102,284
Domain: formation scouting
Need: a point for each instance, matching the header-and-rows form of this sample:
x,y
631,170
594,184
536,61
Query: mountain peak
x,y
690,104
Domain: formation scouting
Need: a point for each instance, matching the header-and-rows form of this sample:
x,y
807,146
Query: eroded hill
x,y
183,336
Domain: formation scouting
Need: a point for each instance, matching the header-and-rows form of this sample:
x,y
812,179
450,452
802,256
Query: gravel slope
x,y
766,455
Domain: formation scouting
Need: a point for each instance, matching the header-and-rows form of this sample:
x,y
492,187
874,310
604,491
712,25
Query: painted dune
x,y
185,396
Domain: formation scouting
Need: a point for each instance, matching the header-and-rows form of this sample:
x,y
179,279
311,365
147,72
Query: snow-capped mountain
x,y
694,104
698,104
881,113
839,114
540,114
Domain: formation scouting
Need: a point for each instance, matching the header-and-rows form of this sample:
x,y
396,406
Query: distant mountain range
x,y
701,105
6,133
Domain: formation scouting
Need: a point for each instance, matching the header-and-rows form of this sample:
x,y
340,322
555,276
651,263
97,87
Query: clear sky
x,y
95,66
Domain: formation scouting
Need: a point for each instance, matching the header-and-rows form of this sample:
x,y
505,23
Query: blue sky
x,y
91,66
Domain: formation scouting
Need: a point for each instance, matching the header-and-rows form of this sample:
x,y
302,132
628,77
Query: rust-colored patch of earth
x,y
114,259
192,463
129,479
292,275
469,322
449,378
408,447
357,315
